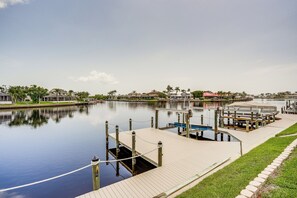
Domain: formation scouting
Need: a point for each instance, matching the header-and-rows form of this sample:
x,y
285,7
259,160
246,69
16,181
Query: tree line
x,y
36,93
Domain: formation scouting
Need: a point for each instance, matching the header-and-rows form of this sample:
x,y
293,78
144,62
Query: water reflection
x,y
39,117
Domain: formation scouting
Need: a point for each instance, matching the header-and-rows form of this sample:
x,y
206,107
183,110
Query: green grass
x,y
289,131
285,182
229,181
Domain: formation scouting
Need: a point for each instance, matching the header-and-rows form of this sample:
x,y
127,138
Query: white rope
x,y
45,180
128,158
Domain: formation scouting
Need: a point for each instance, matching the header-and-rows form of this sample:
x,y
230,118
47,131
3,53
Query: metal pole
x,y
157,119
130,124
95,173
160,153
133,152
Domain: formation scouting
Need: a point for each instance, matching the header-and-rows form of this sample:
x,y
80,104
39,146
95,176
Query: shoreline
x,y
192,100
8,107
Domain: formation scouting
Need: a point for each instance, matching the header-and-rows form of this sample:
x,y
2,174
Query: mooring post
x,y
133,152
282,110
216,121
117,141
106,142
234,120
240,147
156,119
183,118
106,132
160,153
229,138
202,119
252,120
178,120
95,173
222,136
247,127
257,120
273,117
188,125
130,124
228,120
152,122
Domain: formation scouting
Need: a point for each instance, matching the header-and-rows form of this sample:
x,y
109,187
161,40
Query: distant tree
x,y
112,93
18,93
177,89
36,92
169,88
188,89
197,94
83,95
70,93
100,97
162,95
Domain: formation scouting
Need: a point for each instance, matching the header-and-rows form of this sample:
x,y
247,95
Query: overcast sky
x,y
101,45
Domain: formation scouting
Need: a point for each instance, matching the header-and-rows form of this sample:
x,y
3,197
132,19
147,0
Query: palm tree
x,y
177,89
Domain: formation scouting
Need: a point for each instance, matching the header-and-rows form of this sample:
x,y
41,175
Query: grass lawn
x,y
284,182
229,181
289,131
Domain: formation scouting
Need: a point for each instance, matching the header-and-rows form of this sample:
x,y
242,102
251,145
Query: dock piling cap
x,y
95,159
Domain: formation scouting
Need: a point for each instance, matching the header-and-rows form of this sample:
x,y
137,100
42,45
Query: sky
x,y
103,45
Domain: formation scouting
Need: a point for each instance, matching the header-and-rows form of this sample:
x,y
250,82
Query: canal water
x,y
37,144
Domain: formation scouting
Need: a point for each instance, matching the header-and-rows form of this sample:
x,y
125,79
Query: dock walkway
x,y
183,158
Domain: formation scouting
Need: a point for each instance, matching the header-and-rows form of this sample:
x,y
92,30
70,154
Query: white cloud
x,y
5,3
95,76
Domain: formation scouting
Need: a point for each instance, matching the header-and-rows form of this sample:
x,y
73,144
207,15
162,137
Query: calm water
x,y
42,143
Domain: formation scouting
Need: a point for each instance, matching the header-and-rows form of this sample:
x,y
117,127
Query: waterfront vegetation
x,y
289,131
229,181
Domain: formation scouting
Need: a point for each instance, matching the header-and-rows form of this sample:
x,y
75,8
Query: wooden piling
x,y
188,125
95,173
117,141
216,121
273,117
130,124
152,122
228,120
106,142
229,138
157,119
178,120
133,152
234,120
106,132
247,127
160,154
202,119
222,136
240,147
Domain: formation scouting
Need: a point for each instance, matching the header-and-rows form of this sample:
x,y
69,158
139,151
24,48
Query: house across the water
x,y
5,98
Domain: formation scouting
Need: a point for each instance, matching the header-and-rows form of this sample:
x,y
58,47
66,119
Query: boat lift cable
x,y
74,171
